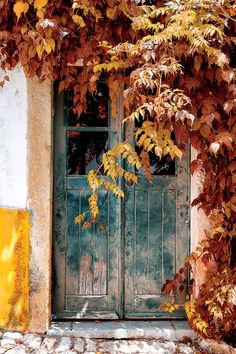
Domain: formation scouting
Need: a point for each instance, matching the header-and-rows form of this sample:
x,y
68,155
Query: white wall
x,y
13,141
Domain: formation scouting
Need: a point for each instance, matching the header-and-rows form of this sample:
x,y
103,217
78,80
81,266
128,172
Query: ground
x,y
17,343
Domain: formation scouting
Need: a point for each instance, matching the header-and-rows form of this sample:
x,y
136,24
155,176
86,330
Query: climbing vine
x,y
177,60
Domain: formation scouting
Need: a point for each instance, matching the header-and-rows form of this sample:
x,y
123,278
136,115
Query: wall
x,y
40,201
199,224
13,141
14,222
25,203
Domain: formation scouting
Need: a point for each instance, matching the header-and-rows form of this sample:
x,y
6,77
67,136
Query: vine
x,y
177,59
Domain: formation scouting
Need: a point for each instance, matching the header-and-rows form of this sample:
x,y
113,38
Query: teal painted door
x,y
114,269
156,236
86,262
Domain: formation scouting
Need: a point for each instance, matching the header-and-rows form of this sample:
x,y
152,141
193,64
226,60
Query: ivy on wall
x,y
177,59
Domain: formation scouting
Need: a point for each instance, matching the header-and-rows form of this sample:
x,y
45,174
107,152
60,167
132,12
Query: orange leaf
x,y
20,8
39,4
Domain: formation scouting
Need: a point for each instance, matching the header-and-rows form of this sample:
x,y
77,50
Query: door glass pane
x,y
96,114
84,151
159,167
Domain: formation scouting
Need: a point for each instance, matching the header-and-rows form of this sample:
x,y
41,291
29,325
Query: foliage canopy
x,y
177,59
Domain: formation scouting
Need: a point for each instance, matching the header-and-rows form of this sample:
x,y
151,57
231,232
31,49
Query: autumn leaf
x,y
78,20
39,4
50,45
20,8
111,12
146,164
39,50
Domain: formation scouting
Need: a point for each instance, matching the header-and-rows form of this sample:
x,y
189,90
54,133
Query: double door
x,y
115,268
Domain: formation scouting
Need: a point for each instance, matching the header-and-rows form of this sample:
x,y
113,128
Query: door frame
x,y
40,193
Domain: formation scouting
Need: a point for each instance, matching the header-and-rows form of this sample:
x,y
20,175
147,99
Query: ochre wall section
x,y
14,265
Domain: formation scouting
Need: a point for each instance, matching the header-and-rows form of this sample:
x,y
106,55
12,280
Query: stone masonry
x,y
17,343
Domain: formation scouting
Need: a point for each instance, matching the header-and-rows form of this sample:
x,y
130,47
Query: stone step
x,y
174,330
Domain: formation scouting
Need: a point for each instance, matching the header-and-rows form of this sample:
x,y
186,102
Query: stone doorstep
x,y
174,330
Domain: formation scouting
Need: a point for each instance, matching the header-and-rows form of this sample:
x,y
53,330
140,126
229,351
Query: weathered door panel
x,y
86,261
156,240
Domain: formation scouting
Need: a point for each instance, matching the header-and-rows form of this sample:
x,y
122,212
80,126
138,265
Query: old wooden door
x,y
156,235
115,269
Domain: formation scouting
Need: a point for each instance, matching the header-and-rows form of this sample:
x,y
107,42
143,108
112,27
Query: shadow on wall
x,y
14,267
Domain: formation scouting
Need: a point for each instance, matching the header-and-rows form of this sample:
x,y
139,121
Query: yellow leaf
x,y
78,20
20,8
178,152
47,48
51,42
79,218
39,4
40,13
39,50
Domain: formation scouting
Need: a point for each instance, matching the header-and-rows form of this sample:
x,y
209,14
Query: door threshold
x,y
158,329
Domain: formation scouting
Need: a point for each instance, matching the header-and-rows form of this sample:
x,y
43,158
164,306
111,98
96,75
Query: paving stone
x,y
185,349
7,343
124,347
19,349
36,344
91,345
64,345
50,342
42,351
79,345
32,341
13,335
108,346
150,347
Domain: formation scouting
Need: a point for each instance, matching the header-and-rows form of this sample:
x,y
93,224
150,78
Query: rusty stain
x,y
14,263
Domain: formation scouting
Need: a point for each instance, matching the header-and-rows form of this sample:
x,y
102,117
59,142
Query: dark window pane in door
x,y
159,167
84,151
96,114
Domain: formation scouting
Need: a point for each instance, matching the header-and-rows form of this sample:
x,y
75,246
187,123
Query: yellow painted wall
x,y
14,269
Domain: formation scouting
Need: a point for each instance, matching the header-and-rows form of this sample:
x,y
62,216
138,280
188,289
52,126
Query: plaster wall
x,y
14,219
199,225
13,141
